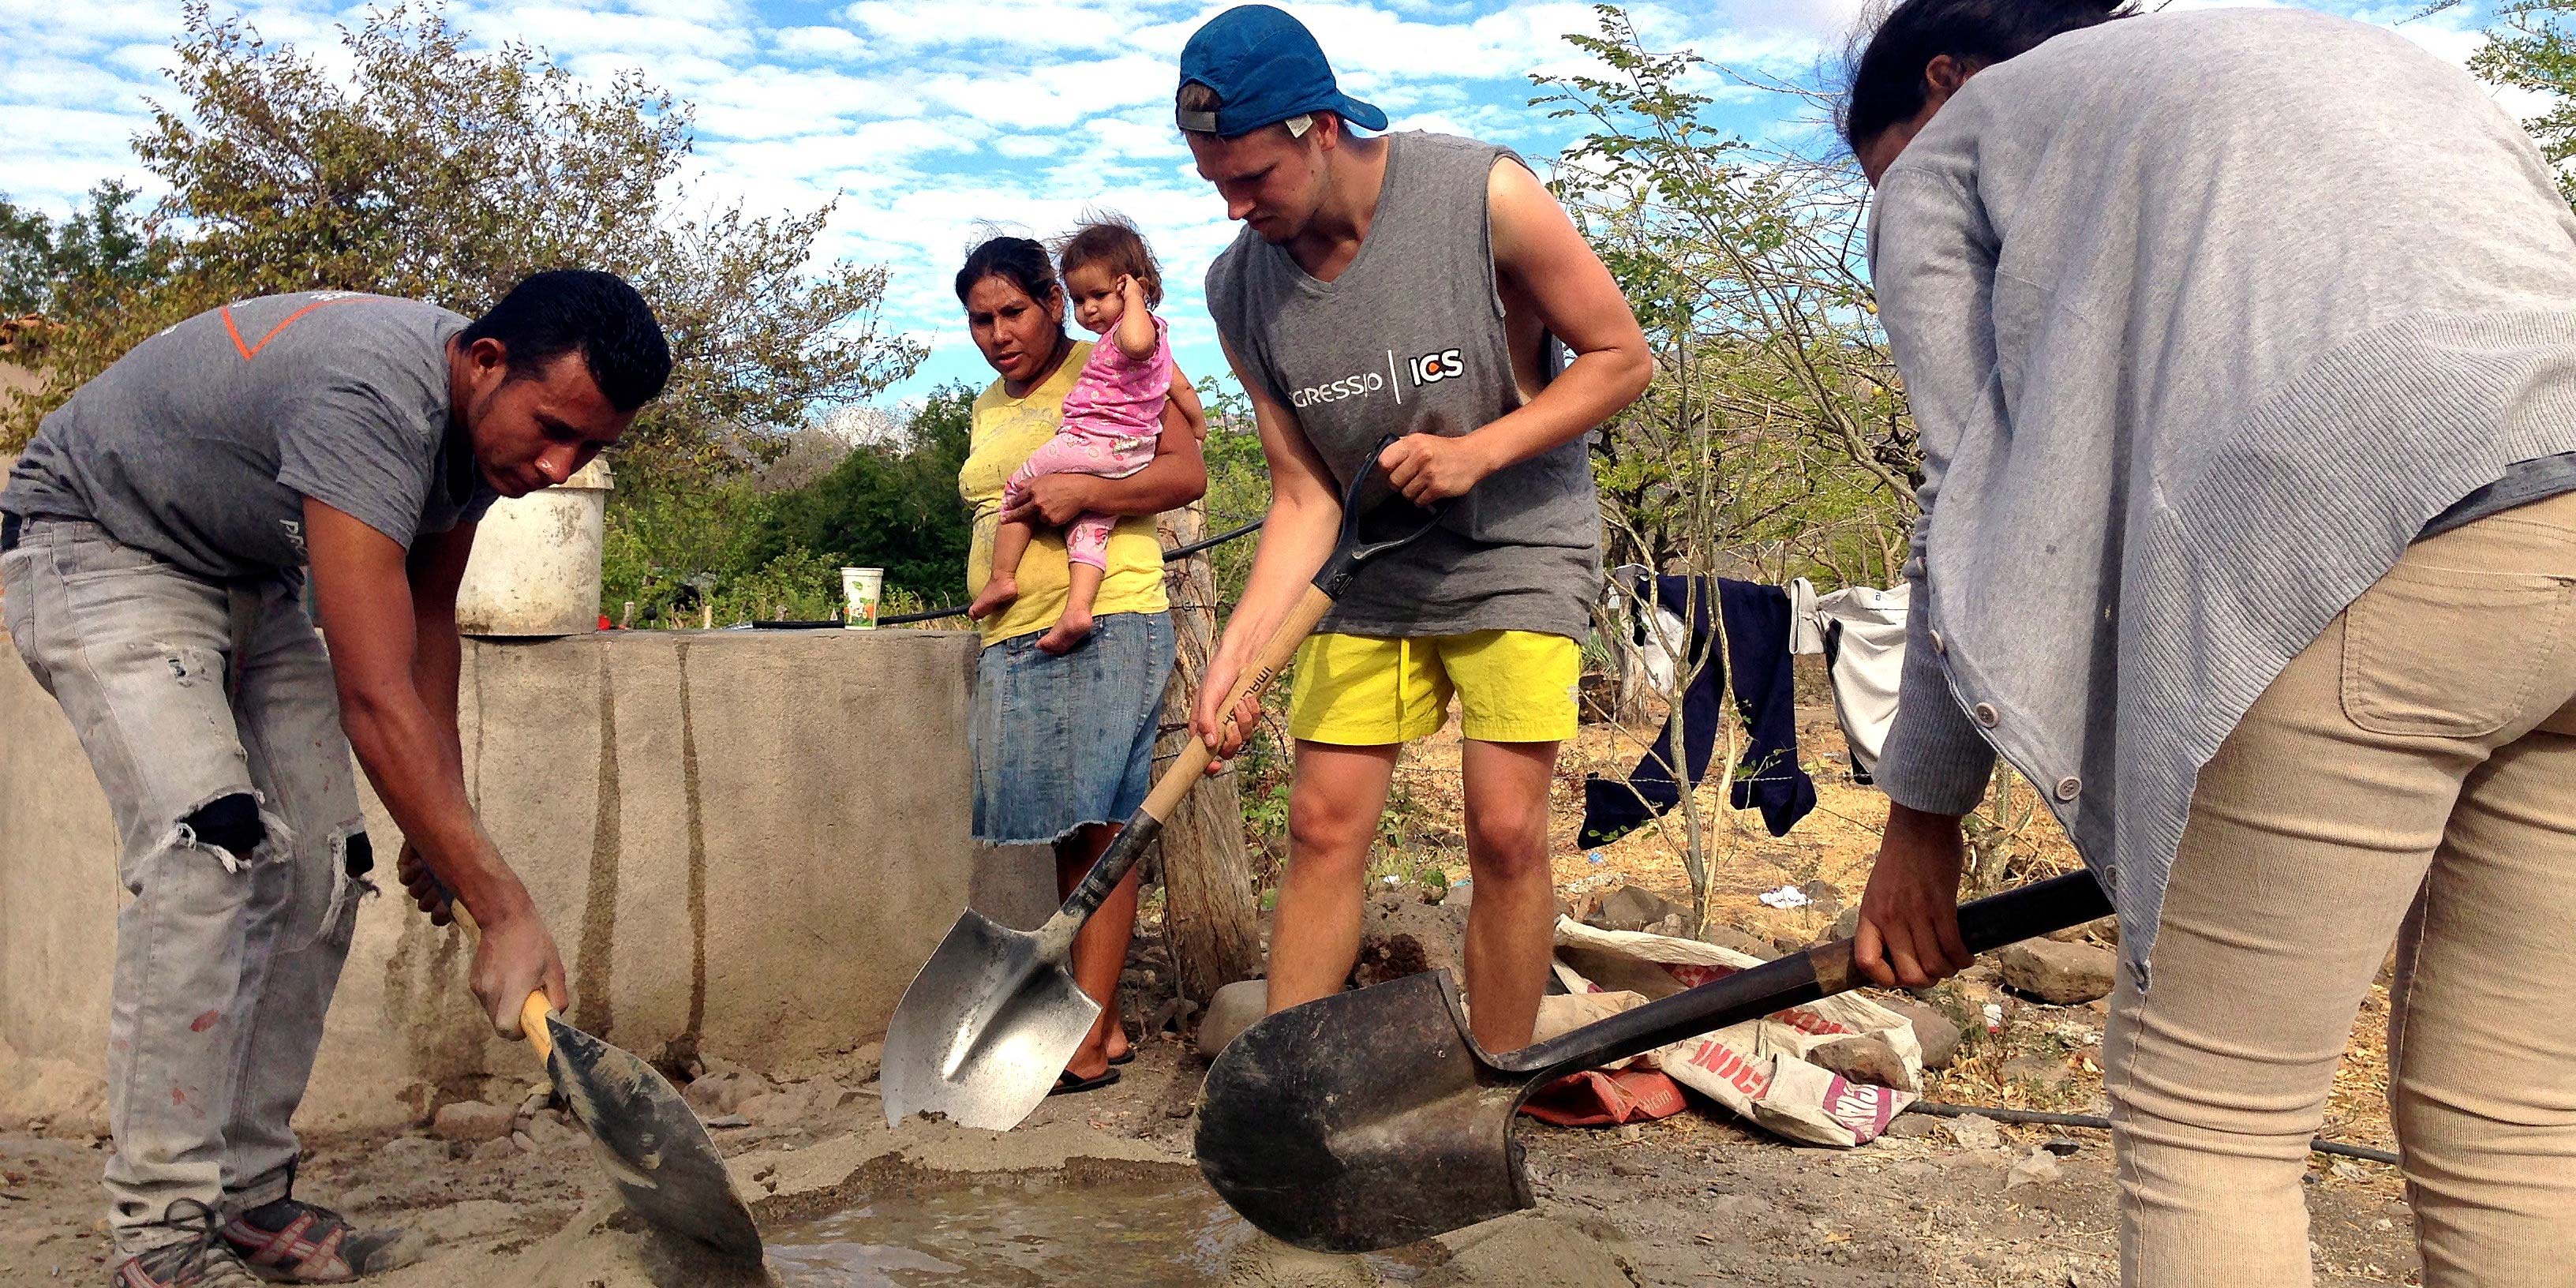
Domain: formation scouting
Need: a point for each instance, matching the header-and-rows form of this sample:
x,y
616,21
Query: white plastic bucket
x,y
535,567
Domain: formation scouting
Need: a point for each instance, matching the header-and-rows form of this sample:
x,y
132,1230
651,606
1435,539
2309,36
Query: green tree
x,y
893,505
1774,439
54,268
2533,47
412,166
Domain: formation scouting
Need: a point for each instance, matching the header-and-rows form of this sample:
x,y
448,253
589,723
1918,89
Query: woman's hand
x,y
1431,467
1909,916
1053,500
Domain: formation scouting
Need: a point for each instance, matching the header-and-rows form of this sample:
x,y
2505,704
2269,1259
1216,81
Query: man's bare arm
x,y
1542,257
362,588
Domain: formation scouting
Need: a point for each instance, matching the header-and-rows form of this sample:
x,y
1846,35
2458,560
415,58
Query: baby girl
x,y
1112,418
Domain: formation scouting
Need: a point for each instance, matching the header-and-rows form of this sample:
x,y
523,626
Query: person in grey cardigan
x,y
2243,348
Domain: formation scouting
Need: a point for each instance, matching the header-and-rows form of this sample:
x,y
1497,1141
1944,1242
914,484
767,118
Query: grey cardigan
x,y
2202,316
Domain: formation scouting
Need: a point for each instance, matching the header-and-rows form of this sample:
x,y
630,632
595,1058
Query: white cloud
x,y
923,119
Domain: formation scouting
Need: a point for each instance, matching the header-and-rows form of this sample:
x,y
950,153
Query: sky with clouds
x,y
929,119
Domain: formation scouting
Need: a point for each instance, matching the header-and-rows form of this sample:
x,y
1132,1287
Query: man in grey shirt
x,y
1415,285
153,543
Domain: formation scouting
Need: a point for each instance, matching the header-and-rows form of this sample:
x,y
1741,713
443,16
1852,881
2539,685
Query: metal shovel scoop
x,y
1371,1119
654,1148
994,1014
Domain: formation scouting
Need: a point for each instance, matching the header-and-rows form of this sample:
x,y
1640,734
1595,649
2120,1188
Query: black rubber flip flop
x,y
1068,1085
1128,1058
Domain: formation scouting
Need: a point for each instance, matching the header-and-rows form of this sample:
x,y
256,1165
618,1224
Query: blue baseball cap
x,y
1265,67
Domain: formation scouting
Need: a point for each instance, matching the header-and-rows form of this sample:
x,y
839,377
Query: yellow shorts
x,y
1367,690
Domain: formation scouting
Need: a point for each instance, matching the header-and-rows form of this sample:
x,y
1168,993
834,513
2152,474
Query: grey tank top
x,y
1409,339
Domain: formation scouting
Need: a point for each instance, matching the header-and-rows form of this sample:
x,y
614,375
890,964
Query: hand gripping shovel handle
x,y
1350,554
1822,971
533,1009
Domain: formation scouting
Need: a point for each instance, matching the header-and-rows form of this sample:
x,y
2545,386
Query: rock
x,y
2032,1168
550,1130
727,1120
2061,1146
1974,1131
1865,1059
1401,936
1732,939
724,1090
1459,896
1230,1012
1823,895
1933,1030
1912,1127
1626,1168
1633,908
409,1155
2105,931
1846,925
519,1143
1676,926
2059,974
494,1150
470,1120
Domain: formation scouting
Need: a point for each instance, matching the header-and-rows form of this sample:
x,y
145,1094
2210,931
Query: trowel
x,y
1371,1119
994,1014
654,1148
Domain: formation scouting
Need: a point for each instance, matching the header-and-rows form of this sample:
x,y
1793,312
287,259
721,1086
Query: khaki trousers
x,y
2411,777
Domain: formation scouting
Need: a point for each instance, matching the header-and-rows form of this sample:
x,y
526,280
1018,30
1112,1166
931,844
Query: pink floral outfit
x,y
1112,420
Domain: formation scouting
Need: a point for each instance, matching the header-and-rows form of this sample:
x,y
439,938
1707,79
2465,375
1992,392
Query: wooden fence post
x,y
1208,906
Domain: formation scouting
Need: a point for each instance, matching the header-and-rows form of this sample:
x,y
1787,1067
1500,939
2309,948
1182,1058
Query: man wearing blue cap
x,y
1426,286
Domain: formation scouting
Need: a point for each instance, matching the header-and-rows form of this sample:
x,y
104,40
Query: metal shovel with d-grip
x,y
994,1014
1371,1119
654,1148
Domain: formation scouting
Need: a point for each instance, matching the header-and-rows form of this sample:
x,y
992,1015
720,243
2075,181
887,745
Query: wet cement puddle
x,y
1151,1227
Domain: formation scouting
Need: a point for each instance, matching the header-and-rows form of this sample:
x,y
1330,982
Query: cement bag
x,y
1758,1068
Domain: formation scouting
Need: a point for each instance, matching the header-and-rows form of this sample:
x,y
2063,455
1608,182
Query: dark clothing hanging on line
x,y
1769,777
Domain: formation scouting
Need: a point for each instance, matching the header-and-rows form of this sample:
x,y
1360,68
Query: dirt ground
x,y
1692,1200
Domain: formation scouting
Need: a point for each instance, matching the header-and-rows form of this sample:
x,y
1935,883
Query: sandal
x,y
1067,1084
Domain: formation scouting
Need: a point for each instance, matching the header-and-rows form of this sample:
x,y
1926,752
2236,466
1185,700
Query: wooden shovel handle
x,y
533,1010
1276,653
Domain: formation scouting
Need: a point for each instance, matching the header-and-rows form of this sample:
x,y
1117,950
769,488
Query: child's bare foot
x,y
1070,630
998,594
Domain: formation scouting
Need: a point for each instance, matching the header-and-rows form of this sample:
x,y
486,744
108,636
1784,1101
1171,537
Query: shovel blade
x,y
984,1029
1363,1121
655,1149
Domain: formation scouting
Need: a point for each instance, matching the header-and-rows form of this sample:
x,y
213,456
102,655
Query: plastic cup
x,y
860,589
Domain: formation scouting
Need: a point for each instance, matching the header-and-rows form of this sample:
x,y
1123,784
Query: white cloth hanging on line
x,y
1861,632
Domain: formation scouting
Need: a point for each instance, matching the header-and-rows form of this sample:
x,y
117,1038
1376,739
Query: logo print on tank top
x,y
1426,369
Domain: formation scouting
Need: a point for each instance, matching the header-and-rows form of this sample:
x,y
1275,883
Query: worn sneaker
x,y
203,1260
294,1242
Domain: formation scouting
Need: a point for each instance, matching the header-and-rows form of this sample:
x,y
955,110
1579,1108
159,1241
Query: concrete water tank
x,y
535,568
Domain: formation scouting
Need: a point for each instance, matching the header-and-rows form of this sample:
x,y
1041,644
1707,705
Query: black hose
x,y
1176,552
2040,1118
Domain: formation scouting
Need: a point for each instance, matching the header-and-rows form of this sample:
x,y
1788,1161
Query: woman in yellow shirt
x,y
1064,745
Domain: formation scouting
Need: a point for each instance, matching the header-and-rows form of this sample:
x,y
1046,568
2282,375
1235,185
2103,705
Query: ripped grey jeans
x,y
209,713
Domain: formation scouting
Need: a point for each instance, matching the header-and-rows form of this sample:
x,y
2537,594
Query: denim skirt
x,y
1062,742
